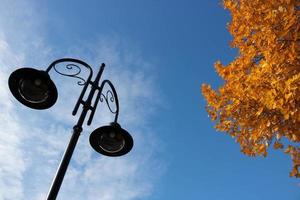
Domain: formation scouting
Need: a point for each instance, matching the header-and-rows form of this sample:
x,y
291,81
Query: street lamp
x,y
35,89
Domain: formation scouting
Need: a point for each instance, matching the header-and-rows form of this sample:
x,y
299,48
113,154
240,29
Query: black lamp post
x,y
35,89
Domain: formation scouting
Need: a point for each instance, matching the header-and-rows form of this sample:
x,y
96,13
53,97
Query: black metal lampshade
x,y
33,88
111,140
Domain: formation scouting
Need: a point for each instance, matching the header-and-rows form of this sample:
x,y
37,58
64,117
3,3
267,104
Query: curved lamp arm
x,y
74,75
73,65
109,96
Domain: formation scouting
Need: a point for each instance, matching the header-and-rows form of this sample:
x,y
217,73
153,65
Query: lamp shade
x,y
33,88
111,140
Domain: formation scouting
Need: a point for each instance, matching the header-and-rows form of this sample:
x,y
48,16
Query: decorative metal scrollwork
x,y
74,70
73,64
109,98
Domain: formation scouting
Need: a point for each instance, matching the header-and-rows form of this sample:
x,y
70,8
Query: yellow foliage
x,y
260,99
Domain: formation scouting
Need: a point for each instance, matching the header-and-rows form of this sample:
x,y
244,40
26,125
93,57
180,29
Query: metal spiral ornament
x,y
74,71
109,98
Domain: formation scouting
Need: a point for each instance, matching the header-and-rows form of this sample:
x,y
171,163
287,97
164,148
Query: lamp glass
x,y
111,142
33,90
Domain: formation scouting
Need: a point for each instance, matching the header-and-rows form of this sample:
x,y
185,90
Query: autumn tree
x,y
259,102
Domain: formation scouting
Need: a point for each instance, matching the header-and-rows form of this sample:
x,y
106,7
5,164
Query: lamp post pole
x,y
35,89
77,129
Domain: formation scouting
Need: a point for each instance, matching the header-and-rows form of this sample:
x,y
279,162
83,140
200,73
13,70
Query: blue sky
x,y
158,53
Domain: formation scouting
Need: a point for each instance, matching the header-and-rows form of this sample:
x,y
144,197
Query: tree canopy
x,y
259,102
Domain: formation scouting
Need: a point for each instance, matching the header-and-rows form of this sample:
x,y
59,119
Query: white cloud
x,y
32,142
12,164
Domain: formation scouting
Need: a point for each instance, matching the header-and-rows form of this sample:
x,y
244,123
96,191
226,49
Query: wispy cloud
x,y
32,142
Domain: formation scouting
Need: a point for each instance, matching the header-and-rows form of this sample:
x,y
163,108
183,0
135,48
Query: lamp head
x,y
33,88
111,140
